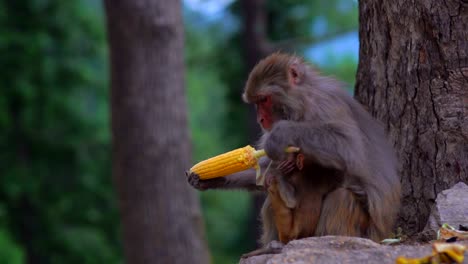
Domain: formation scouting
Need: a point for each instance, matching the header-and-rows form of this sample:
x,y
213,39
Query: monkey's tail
x,y
269,229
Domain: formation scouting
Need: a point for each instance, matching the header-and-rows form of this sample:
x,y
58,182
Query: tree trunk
x,y
160,211
413,76
256,47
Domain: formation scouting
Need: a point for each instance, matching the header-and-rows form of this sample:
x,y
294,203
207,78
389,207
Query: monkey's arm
x,y
336,144
240,180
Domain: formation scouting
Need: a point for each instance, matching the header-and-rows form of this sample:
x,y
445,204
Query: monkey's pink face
x,y
264,107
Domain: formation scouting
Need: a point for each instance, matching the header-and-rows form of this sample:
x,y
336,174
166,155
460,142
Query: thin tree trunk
x,y
160,212
413,76
256,47
255,44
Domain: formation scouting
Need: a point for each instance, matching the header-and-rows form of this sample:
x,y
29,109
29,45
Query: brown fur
x,y
289,222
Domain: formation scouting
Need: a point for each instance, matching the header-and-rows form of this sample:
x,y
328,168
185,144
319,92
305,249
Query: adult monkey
x,y
344,180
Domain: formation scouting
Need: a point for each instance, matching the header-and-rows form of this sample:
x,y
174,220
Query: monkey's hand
x,y
287,166
202,185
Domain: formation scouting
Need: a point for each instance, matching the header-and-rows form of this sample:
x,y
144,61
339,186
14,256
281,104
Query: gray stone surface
x,y
451,207
335,249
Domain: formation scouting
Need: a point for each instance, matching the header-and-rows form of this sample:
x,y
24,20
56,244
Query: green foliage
x,y
56,195
10,251
230,58
56,199
226,221
206,95
311,20
343,69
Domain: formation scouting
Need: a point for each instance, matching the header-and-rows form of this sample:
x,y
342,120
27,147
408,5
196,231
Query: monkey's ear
x,y
295,73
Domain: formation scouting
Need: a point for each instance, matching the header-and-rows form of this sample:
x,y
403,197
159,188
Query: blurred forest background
x,y
57,203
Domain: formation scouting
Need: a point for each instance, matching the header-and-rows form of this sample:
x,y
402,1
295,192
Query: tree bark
x,y
160,212
256,47
413,76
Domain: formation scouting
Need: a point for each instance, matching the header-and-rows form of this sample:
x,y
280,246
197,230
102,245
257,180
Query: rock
x,y
451,207
336,249
256,260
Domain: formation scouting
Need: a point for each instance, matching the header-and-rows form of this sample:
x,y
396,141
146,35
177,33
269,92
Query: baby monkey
x,y
290,203
286,193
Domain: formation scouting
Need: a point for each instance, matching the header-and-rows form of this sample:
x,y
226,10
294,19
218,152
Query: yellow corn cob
x,y
233,161
230,162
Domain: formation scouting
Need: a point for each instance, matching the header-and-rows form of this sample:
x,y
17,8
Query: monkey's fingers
x,y
288,166
202,185
289,160
287,169
282,165
192,178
